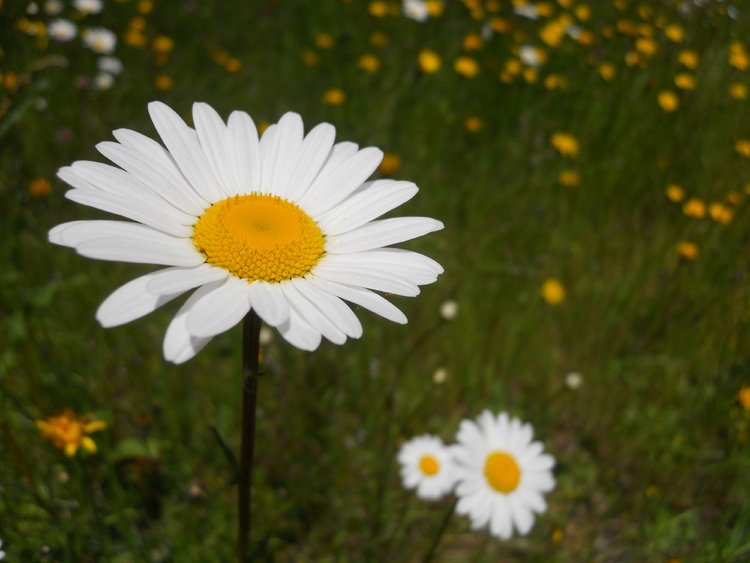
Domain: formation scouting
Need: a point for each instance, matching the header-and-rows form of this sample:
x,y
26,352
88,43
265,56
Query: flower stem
x,y
250,372
440,532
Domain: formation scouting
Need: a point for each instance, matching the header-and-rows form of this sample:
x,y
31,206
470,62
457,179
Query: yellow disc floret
x,y
429,465
502,472
259,237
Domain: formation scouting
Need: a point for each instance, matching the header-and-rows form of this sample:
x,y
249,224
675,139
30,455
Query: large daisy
x,y
283,225
501,474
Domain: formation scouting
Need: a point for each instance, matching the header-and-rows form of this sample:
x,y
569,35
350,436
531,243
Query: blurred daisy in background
x,y
426,466
501,474
100,40
283,225
62,30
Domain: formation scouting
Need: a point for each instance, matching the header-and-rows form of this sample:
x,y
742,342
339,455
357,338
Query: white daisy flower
x,y
415,10
62,30
283,225
529,55
527,11
112,65
426,466
53,7
2,553
88,6
100,40
103,81
501,474
449,310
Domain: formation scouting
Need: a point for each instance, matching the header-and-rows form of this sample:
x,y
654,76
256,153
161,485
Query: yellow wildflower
x,y
429,61
743,397
466,66
68,432
163,82
675,33
734,198
566,144
688,251
500,25
720,213
606,71
569,178
553,292
743,147
674,193
369,63
324,40
334,96
378,9
233,64
646,46
685,81
162,44
668,100
135,39
554,81
738,90
513,67
530,75
694,208
309,57
145,7
434,7
689,59
473,124
583,12
390,163
472,42
738,57
39,188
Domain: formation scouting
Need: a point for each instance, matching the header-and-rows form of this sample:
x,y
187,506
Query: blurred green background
x,y
639,237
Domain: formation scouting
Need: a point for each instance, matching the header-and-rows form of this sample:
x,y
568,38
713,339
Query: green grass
x,y
652,450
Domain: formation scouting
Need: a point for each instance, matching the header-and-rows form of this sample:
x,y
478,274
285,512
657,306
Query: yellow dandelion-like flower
x,y
674,193
233,65
369,63
429,61
145,7
565,143
553,33
513,67
738,57
675,33
500,25
743,397
694,208
555,82
687,251
738,90
668,100
569,178
530,75
633,59
324,40
689,59
743,147
685,81
647,47
472,42
466,66
553,292
435,8
69,432
734,198
583,12
334,96
586,38
309,57
544,9
39,188
378,9
390,163
607,71
720,213
163,82
162,44
473,124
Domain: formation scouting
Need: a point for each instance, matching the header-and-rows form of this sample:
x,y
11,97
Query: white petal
x,y
410,266
328,189
311,315
267,148
268,301
500,523
362,297
174,280
368,203
314,151
219,310
245,152
182,142
131,301
157,172
299,333
75,232
179,344
142,248
337,155
214,139
288,143
382,233
521,515
331,307
365,277
532,499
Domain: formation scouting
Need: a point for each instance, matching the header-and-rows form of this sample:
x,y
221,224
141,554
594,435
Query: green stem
x,y
440,532
250,373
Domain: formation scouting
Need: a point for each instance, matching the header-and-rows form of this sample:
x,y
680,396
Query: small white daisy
x,y
103,81
88,6
284,225
53,7
62,30
100,40
449,310
415,10
529,55
527,11
501,474
112,65
426,466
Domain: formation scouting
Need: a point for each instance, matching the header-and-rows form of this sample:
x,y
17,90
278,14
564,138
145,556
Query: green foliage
x,y
652,449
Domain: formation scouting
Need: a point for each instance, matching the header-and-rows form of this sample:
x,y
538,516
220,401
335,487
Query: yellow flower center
x,y
259,237
502,472
429,465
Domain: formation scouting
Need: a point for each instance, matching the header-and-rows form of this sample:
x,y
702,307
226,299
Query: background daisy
x,y
426,466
